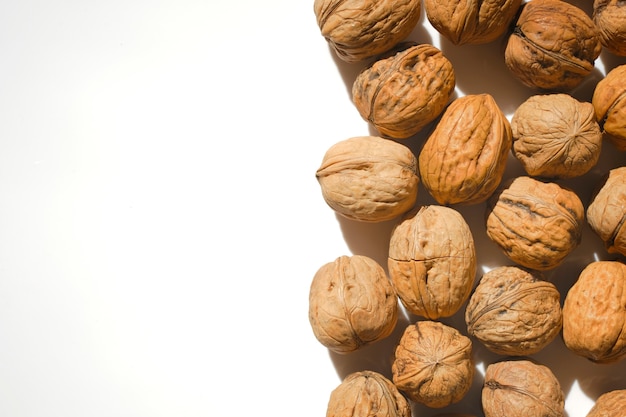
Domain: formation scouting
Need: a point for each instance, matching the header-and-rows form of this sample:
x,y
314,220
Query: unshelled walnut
x,y
514,311
537,224
594,313
352,304
367,394
368,178
553,46
556,136
361,29
432,261
609,102
522,388
433,364
609,17
402,93
463,160
606,213
471,22
610,404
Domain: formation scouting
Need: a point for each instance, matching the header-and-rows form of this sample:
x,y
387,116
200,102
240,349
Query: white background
x,y
160,221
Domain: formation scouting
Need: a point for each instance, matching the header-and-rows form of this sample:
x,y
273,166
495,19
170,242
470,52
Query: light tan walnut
x,y
610,19
610,404
352,304
609,102
594,313
606,213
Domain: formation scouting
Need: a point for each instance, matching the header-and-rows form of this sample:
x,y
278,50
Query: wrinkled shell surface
x,y
597,301
401,94
514,312
433,364
522,389
609,102
471,22
609,17
606,214
352,304
553,47
556,136
610,404
369,179
432,261
367,394
361,29
463,160
537,224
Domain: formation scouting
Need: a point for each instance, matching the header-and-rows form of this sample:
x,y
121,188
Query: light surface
x,y
160,221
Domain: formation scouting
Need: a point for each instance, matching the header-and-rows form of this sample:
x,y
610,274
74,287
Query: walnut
x,y
522,388
471,22
463,160
553,46
556,136
514,312
606,214
401,94
368,178
433,364
367,394
609,102
597,301
432,261
537,224
609,17
610,404
361,29
352,304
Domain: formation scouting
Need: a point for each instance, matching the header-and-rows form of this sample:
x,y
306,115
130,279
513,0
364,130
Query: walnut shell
x,y
352,304
463,160
556,136
610,404
609,102
401,94
367,394
432,261
537,224
522,388
597,301
514,312
361,29
433,364
609,17
553,46
368,178
606,214
471,22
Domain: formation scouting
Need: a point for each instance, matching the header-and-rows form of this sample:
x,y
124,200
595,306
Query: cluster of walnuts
x,y
512,310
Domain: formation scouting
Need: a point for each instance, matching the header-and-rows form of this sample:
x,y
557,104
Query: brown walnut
x,y
537,224
522,388
594,313
368,178
352,304
553,46
514,312
471,22
463,160
606,214
433,364
361,29
609,102
610,404
609,17
401,94
556,136
432,261
367,394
